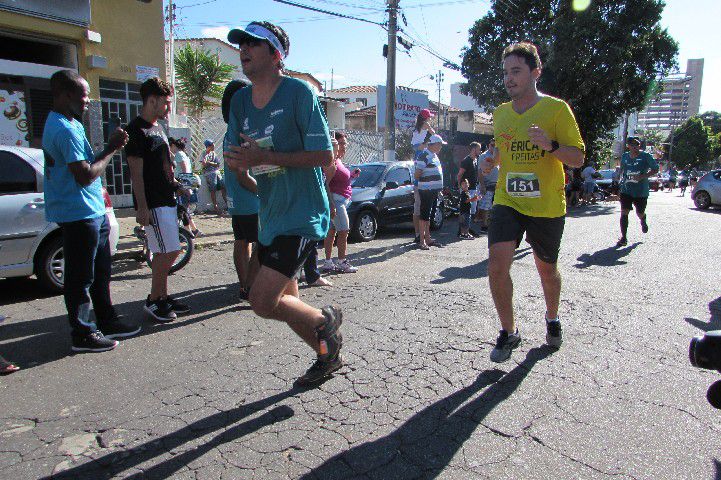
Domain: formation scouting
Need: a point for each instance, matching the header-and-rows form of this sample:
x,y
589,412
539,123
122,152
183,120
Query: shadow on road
x,y
470,272
608,257
714,322
112,464
426,443
35,342
591,210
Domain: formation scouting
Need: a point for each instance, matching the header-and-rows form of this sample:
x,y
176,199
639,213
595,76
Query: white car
x,y
29,244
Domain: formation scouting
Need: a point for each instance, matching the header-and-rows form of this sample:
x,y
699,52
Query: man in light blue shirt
x,y
277,129
74,200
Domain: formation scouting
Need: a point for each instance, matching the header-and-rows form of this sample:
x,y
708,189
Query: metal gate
x,y
363,147
119,100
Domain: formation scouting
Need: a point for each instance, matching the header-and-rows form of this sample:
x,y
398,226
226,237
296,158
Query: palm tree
x,y
201,78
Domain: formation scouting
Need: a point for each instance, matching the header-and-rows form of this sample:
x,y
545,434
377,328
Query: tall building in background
x,y
679,99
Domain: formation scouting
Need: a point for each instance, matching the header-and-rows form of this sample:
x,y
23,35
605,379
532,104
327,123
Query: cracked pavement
x,y
210,396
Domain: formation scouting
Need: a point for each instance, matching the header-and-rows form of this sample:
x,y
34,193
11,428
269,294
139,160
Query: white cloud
x,y
216,32
327,76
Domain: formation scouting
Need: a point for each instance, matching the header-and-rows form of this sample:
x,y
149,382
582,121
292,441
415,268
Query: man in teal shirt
x,y
74,200
277,129
636,168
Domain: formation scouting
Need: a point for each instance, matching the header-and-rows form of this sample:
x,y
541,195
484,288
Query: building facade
x,y
680,99
92,38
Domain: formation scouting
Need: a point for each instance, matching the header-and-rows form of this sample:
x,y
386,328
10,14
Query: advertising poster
x,y
14,127
408,104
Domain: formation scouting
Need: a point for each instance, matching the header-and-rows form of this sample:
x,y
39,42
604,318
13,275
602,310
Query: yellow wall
x,y
132,34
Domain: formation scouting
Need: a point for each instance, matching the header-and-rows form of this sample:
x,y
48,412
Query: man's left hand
x,y
539,138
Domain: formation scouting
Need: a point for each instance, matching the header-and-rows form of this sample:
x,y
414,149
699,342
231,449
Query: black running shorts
x,y
286,254
245,227
544,234
639,203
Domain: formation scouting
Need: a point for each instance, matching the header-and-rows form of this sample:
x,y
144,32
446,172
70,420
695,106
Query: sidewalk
x,y
216,231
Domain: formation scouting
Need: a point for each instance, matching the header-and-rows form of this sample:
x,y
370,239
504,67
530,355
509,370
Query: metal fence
x,y
202,128
363,147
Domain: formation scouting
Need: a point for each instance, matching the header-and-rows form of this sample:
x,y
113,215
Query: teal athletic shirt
x,y
630,166
292,200
64,142
241,201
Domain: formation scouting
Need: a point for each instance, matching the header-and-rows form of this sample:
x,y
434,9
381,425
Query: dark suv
x,y
383,195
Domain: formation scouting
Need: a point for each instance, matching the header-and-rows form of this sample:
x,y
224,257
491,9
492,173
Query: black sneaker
x,y
319,371
554,334
504,346
177,306
118,328
473,233
160,310
622,242
93,342
484,229
329,336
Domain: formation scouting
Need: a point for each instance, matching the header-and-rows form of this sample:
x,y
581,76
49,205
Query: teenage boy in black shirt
x,y
152,175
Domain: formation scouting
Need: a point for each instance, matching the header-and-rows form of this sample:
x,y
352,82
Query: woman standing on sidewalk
x,y
338,181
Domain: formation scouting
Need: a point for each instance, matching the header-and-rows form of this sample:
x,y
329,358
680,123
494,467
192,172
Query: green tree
x,y
692,144
712,120
654,137
201,78
604,60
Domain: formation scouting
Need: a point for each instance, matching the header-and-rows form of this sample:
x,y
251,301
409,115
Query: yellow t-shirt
x,y
531,180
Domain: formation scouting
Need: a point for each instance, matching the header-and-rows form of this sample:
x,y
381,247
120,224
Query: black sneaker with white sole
x,y
177,306
119,328
554,334
159,310
505,344
92,342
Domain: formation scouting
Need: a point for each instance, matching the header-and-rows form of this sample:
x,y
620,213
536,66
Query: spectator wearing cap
x,y
429,174
210,164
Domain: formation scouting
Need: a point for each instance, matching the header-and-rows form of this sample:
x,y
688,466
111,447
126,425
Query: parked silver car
x,y
29,244
707,191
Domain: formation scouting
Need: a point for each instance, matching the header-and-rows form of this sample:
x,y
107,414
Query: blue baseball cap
x,y
208,142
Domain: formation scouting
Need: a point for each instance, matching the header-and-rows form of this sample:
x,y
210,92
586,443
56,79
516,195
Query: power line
x,y
314,9
349,5
196,4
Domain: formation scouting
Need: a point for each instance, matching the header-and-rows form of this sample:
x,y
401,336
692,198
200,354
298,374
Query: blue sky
x,y
352,49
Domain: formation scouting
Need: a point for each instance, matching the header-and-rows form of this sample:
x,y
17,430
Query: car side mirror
x,y
391,185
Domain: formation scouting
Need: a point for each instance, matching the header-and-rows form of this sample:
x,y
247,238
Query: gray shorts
x,y
340,221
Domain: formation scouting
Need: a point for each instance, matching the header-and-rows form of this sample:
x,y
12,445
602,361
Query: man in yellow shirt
x,y
535,136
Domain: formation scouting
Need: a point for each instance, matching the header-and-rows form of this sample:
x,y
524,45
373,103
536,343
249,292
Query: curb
x,y
132,253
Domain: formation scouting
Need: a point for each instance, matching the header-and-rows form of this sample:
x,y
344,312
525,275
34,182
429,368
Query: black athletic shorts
x,y
245,227
544,234
286,254
639,203
428,201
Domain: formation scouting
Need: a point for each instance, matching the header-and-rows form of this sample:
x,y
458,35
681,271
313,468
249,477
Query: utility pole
x,y
390,140
439,80
331,79
171,21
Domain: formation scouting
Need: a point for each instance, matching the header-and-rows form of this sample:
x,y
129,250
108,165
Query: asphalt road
x,y
210,396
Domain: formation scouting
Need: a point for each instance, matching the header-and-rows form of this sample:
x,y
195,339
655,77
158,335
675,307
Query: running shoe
x,y
622,242
160,310
505,344
118,328
93,342
319,371
329,337
345,267
554,334
327,266
177,306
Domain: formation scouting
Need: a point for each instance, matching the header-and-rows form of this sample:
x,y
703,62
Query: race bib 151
x,y
522,185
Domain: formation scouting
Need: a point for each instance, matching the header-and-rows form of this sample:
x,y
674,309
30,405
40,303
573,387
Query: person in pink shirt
x,y
338,180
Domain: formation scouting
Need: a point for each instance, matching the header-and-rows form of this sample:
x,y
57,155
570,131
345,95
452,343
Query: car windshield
x,y
606,174
369,176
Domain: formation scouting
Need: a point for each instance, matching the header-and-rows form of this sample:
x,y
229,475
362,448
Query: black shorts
x,y
428,201
544,234
245,227
639,203
286,254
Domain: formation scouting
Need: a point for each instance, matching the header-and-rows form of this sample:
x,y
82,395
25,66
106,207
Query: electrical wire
x,y
349,5
327,12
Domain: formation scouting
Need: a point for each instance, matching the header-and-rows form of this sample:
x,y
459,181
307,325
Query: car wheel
x,y
50,266
702,200
366,226
437,216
